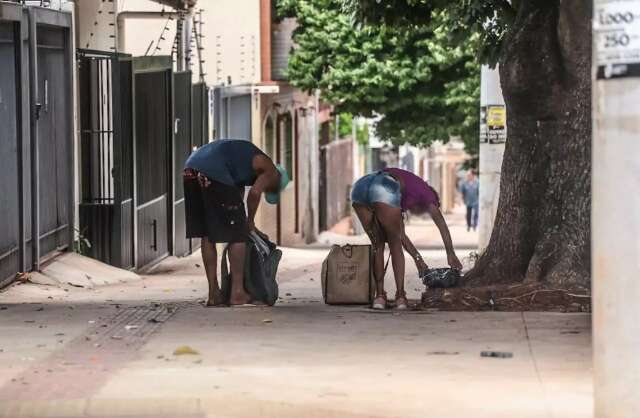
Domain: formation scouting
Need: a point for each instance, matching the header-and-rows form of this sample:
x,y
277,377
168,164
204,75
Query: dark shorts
x,y
215,211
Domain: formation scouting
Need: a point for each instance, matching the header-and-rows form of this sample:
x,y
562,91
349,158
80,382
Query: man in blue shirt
x,y
215,178
470,189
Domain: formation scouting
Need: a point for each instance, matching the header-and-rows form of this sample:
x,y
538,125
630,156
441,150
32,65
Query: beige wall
x,y
443,162
137,34
94,18
232,40
231,32
291,101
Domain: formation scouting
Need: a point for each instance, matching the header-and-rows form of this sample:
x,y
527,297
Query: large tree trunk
x,y
542,228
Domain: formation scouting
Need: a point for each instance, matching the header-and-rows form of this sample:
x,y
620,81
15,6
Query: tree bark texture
x,y
542,228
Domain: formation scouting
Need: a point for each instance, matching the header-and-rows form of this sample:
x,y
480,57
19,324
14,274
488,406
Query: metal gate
x,y
200,114
181,151
10,140
106,154
36,144
232,112
54,136
154,166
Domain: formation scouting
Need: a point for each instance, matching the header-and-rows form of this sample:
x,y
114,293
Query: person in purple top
x,y
380,199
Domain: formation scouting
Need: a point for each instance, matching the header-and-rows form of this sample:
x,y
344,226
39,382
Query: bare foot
x,y
240,299
215,300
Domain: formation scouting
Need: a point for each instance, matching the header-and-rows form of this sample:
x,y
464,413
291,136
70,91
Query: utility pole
x,y
493,134
615,217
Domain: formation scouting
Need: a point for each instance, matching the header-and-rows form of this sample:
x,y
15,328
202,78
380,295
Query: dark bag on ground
x,y
441,278
260,270
347,277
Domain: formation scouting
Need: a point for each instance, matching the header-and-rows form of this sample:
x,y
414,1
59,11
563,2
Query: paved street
x,y
109,352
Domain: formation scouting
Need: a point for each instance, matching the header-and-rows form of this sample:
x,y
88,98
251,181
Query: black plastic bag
x,y
441,278
260,269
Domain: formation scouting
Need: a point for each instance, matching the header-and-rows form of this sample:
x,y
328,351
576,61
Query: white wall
x,y
615,220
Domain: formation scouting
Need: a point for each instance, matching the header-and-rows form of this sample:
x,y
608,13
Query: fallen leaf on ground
x,y
185,350
131,327
116,337
267,321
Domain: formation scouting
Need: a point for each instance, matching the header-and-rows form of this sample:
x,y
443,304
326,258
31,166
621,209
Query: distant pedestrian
x,y
470,189
380,200
215,178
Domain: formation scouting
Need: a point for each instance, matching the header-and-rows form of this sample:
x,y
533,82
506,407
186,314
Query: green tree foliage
x,y
488,20
422,86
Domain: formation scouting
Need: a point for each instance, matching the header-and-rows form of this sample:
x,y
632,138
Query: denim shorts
x,y
377,187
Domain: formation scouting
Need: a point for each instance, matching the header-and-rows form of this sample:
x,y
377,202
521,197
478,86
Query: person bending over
x,y
380,200
215,177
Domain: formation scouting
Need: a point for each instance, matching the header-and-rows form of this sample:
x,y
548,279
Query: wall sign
x,y
493,124
616,26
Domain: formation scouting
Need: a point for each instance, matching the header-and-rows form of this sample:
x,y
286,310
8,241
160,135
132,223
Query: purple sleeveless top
x,y
416,193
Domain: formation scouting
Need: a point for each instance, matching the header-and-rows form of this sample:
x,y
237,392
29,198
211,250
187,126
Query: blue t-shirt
x,y
229,161
470,192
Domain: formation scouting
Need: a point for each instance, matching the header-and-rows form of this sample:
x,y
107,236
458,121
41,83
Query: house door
x,y
153,148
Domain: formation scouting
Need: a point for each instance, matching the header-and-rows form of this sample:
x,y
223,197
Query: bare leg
x,y
210,261
236,258
391,220
366,217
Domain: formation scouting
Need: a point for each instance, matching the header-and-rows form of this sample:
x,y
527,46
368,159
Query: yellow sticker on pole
x,y
496,117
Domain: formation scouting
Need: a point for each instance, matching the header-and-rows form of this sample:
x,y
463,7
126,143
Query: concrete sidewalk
x,y
108,352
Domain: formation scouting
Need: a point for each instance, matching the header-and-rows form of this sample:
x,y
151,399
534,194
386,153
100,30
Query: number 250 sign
x,y
616,27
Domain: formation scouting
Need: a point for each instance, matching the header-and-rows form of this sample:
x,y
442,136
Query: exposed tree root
x,y
519,297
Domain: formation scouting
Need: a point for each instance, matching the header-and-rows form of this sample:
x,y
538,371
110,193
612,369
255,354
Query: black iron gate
x,y
36,137
106,154
181,150
54,136
154,127
10,140
200,114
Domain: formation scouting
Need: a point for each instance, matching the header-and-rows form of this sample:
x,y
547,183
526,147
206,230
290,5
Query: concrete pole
x,y
490,159
615,217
